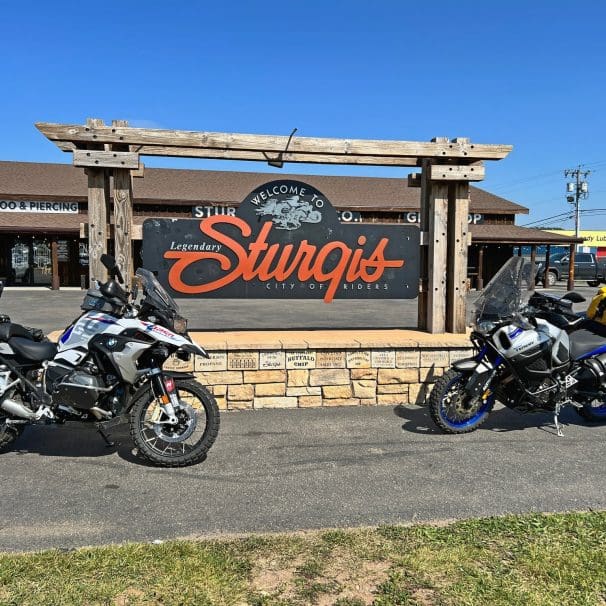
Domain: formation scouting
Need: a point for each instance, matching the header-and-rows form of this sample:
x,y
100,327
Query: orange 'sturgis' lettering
x,y
278,262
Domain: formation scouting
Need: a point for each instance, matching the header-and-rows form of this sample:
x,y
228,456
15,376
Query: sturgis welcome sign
x,y
284,241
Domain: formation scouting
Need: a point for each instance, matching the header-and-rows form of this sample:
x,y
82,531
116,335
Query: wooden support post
x,y
54,264
570,285
123,216
533,263
123,219
546,272
97,229
425,185
456,297
437,257
480,283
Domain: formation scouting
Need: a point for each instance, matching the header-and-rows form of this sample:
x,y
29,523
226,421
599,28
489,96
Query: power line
x,y
568,215
522,183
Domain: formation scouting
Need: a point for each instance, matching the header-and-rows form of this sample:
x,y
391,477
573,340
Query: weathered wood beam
x,y
261,156
437,257
456,148
425,185
123,212
414,180
65,146
458,232
447,172
123,218
97,215
105,159
136,231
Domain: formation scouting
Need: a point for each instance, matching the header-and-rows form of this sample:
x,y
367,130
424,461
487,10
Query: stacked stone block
x,y
301,378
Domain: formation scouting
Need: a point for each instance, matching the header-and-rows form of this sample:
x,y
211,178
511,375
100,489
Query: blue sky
x,y
531,74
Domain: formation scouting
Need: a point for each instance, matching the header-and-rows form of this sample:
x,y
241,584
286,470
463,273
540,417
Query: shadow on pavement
x,y
74,440
501,420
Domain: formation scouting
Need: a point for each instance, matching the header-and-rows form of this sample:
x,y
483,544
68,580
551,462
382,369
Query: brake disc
x,y
186,426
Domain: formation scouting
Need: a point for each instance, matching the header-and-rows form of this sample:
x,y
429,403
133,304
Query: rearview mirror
x,y
110,264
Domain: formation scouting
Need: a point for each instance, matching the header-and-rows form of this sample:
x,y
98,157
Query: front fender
x,y
194,348
465,365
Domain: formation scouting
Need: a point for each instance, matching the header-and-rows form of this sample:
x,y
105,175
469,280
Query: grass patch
x,y
529,560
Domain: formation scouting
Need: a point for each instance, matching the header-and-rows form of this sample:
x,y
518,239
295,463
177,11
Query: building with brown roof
x,y
41,202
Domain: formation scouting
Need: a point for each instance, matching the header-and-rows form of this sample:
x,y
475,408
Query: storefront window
x,y
20,263
31,262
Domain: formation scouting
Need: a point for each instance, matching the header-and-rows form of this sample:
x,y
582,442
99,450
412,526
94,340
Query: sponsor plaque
x,y
437,357
330,359
407,359
243,360
383,358
358,359
271,360
300,359
217,361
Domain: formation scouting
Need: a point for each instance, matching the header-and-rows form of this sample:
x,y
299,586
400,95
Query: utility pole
x,y
576,190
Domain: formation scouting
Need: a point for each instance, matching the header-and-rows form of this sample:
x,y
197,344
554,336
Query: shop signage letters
x,y
201,212
472,218
31,206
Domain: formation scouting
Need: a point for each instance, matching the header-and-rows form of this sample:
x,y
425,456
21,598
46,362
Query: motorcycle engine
x,y
77,387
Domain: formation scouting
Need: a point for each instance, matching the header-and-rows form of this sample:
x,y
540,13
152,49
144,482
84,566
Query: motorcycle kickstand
x,y
104,435
557,422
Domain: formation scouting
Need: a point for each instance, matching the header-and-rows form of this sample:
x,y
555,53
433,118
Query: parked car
x,y
586,267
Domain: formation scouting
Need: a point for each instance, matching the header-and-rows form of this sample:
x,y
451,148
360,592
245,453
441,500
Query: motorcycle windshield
x,y
155,291
507,293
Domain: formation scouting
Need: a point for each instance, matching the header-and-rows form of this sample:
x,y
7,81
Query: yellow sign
x,y
590,238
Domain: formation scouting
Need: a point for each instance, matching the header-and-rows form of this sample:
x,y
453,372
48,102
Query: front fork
x,y
478,384
165,391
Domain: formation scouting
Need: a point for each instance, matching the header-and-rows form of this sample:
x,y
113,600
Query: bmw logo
x,y
111,343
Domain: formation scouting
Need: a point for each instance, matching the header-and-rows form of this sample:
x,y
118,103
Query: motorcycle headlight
x,y
180,325
485,326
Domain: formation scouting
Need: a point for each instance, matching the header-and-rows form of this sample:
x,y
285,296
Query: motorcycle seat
x,y
589,338
33,350
10,329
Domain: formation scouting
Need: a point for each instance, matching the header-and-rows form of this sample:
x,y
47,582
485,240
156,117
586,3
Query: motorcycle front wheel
x,y
453,410
175,445
594,412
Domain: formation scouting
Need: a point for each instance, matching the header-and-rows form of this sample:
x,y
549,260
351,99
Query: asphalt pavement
x,y
53,310
285,470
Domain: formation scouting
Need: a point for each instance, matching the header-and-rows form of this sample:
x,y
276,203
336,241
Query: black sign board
x,y
62,250
284,241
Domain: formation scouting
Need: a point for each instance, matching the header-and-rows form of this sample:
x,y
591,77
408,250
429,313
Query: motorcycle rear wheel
x,y
452,409
8,433
184,444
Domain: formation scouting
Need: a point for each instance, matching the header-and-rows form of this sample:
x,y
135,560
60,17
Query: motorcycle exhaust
x,y
17,409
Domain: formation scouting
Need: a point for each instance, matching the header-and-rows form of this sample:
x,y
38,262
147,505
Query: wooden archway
x,y
447,168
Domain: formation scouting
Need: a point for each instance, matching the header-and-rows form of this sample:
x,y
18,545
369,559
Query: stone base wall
x,y
301,378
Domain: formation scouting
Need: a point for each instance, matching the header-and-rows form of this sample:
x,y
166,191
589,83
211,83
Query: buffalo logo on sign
x,y
284,241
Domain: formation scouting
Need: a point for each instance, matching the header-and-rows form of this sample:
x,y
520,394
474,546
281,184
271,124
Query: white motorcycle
x,y
107,368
